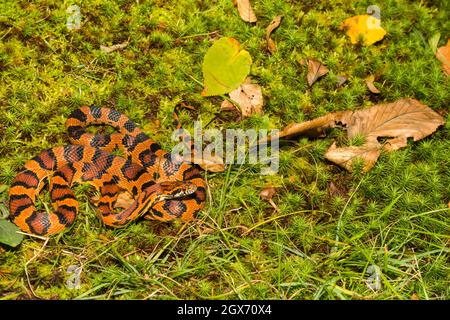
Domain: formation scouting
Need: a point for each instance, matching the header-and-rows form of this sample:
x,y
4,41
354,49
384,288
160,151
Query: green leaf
x,y
225,67
8,233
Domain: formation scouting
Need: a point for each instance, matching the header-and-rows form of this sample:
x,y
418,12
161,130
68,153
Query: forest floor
x,y
333,230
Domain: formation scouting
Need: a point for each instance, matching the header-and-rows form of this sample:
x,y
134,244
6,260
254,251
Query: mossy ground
x,y
332,225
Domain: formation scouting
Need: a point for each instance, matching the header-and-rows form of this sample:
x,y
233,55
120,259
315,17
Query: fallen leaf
x,y
124,200
225,67
400,120
249,98
267,194
114,47
227,106
271,46
369,82
345,156
443,55
8,233
315,70
246,11
415,296
314,128
365,26
337,188
341,80
212,163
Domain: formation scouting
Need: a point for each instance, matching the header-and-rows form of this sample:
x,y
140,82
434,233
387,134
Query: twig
x,y
29,261
199,35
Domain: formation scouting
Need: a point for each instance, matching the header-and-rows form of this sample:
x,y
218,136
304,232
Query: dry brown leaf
x,y
124,200
271,46
370,85
212,163
345,156
400,120
415,296
341,80
315,70
267,194
249,98
443,55
226,106
313,128
114,47
246,11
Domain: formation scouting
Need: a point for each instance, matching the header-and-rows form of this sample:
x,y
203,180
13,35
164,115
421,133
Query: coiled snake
x,y
162,189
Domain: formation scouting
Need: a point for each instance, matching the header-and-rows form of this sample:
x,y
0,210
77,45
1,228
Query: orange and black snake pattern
x,y
162,188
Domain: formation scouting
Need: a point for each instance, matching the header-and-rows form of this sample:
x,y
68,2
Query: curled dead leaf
x,y
211,163
443,55
124,200
346,156
315,70
341,80
314,128
267,194
271,46
370,85
249,98
246,11
226,106
400,120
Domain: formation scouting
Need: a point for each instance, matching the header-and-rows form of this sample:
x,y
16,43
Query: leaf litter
x,y
399,120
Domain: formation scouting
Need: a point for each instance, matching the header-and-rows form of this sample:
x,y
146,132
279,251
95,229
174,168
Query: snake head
x,y
174,189
166,190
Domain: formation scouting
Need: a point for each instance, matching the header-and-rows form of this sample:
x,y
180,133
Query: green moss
x,y
331,225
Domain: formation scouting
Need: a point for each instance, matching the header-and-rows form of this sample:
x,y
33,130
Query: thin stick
x,y
29,261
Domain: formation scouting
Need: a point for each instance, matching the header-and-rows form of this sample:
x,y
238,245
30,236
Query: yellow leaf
x,y
365,26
